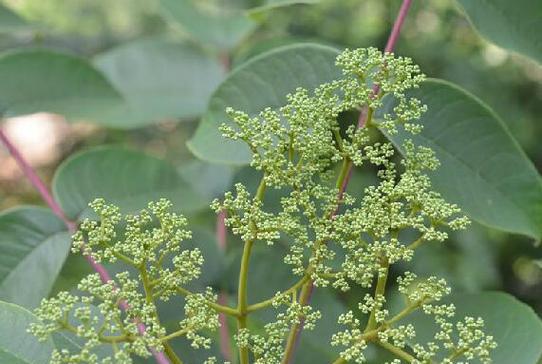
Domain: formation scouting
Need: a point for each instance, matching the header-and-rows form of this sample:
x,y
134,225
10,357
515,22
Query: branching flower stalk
x,y
364,116
49,200
300,150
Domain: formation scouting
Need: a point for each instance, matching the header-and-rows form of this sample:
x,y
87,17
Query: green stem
x,y
379,291
304,298
269,302
404,313
307,288
218,307
242,304
168,350
242,296
338,139
124,258
400,353
416,243
345,169
174,335
456,354
102,338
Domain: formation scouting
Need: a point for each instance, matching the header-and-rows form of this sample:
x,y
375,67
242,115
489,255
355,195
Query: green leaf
x,y
483,169
258,11
211,180
64,340
160,78
213,264
17,346
515,326
34,245
513,25
10,21
468,260
223,31
41,80
75,268
126,178
264,81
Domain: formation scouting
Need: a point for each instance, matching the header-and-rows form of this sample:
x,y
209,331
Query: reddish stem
x,y
397,25
36,181
46,195
221,230
362,119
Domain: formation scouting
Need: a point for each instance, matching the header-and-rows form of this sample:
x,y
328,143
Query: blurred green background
x,y
436,35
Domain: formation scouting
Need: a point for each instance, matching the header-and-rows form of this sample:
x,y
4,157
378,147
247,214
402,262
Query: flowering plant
x,y
335,241
339,185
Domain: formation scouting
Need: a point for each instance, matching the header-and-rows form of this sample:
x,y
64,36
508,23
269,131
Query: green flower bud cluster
x,y
268,348
113,313
298,148
94,315
452,343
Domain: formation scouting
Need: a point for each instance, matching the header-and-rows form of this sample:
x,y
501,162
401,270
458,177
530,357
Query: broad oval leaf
x,y
515,326
513,25
17,346
34,245
126,178
262,82
483,169
223,31
160,78
40,80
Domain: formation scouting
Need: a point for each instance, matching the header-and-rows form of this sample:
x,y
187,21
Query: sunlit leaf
x,y
10,21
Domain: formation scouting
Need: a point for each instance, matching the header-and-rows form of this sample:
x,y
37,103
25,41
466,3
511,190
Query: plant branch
x,y
291,343
218,307
397,25
36,181
364,116
379,292
49,200
269,302
242,295
147,288
221,239
174,335
400,353
404,313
